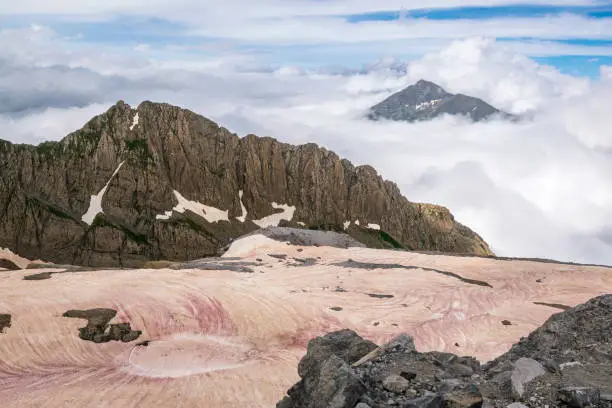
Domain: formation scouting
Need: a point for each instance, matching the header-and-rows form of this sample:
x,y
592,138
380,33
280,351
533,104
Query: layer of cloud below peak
x,y
540,188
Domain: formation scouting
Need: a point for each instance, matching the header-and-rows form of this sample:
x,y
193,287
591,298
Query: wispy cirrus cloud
x,y
308,32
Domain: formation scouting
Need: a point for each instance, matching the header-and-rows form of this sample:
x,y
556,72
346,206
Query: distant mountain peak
x,y
426,100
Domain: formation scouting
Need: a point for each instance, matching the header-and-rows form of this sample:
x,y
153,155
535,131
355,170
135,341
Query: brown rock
x,y
8,265
47,190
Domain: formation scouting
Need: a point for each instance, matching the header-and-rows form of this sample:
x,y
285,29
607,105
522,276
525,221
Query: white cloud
x,y
194,9
48,124
538,188
491,71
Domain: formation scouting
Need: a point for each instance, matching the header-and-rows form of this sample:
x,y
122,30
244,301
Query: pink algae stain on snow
x,y
225,339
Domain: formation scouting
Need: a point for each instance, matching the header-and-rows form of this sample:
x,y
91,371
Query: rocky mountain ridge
x,y
161,182
567,362
426,100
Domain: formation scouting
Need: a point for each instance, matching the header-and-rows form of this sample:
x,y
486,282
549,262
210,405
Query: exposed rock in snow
x,y
95,202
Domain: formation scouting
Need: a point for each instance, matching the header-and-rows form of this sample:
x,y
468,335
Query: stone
x,y
450,384
427,400
460,370
525,370
346,344
580,397
362,405
408,375
517,405
466,398
338,386
98,329
286,402
396,384
397,372
5,322
403,341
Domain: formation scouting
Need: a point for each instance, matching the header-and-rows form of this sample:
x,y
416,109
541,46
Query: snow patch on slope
x,y
271,220
134,121
165,216
274,219
242,218
210,214
428,104
95,202
374,226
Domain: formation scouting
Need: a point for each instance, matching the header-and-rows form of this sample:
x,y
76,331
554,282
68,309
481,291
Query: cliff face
x,y
160,182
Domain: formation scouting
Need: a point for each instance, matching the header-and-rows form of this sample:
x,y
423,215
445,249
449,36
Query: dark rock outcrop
x,y
98,329
8,265
5,321
565,363
136,161
426,100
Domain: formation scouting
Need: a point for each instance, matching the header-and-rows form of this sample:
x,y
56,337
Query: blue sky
x,y
577,39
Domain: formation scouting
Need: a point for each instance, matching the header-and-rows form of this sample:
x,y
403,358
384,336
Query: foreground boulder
x,y
159,182
565,363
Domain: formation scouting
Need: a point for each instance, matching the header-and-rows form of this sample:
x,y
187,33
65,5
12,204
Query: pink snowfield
x,y
227,339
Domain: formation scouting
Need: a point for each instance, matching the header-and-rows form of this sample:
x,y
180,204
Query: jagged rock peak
x,y
161,182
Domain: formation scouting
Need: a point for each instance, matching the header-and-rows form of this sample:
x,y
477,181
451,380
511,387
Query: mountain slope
x,y
426,100
160,182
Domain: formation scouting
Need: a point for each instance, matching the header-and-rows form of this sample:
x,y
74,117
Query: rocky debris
x,y
174,158
98,329
506,322
336,308
396,384
327,378
565,363
525,370
8,265
580,397
5,321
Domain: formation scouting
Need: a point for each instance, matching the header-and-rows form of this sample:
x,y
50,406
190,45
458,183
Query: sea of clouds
x,y
538,188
